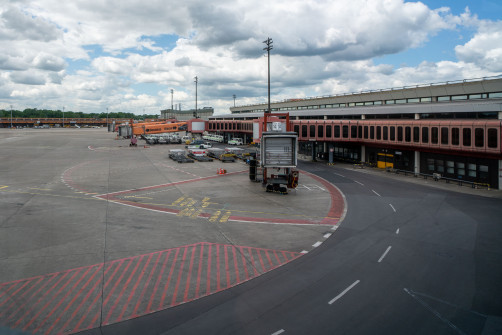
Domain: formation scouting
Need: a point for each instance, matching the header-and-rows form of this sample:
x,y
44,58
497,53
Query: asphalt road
x,y
407,259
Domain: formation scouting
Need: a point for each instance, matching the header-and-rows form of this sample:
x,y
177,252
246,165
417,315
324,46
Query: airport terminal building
x,y
452,129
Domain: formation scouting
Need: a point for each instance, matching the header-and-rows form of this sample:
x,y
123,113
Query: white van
x,y
236,141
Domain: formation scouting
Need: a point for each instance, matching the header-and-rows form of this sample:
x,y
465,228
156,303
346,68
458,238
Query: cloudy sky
x,y
126,55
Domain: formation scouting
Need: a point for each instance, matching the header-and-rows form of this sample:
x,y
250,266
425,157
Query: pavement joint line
x,y
392,208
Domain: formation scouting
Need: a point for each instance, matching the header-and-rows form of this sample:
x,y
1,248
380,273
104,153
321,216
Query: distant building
x,y
184,115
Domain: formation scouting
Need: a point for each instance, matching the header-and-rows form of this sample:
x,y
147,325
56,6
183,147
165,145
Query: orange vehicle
x,y
146,128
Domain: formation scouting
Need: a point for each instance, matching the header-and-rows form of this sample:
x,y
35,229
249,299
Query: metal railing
x,y
438,177
378,90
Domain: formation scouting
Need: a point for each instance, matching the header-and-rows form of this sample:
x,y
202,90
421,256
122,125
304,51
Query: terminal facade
x,y
452,129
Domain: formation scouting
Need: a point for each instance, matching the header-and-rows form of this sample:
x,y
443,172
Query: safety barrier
x,y
439,177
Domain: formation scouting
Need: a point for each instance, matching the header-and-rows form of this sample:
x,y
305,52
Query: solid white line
x,y
384,254
376,193
341,175
397,231
279,332
343,292
327,235
315,245
392,207
359,183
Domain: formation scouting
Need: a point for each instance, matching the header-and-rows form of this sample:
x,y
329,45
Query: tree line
x,y
47,113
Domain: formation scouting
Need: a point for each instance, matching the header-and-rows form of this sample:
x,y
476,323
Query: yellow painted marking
x,y
3,186
196,213
215,216
178,201
225,217
206,199
40,189
186,202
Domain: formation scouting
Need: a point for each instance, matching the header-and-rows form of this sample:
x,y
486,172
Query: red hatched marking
x,y
74,300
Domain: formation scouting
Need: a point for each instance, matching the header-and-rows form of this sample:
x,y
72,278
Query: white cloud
x,y
485,48
93,54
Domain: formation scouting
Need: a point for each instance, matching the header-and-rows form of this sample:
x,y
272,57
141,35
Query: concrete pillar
x,y
417,162
500,115
331,151
314,153
363,153
500,174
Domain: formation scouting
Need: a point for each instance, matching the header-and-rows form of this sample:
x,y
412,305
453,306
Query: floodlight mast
x,y
269,47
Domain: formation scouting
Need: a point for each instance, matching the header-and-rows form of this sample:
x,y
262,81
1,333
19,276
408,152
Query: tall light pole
x,y
196,81
172,95
10,116
106,118
269,47
234,99
63,116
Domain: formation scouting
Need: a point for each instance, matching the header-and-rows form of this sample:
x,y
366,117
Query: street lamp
x,y
234,99
106,118
269,47
196,81
172,95
10,116
63,116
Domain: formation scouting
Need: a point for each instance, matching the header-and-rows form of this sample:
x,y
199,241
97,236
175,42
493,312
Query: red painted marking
x,y
105,302
157,282
208,284
199,271
47,304
269,260
169,278
10,296
97,295
244,261
134,313
189,275
260,259
29,299
173,301
218,267
39,300
235,266
277,257
131,294
252,261
128,281
65,293
227,270
148,188
73,300
6,291
22,295
285,256
62,299
337,202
